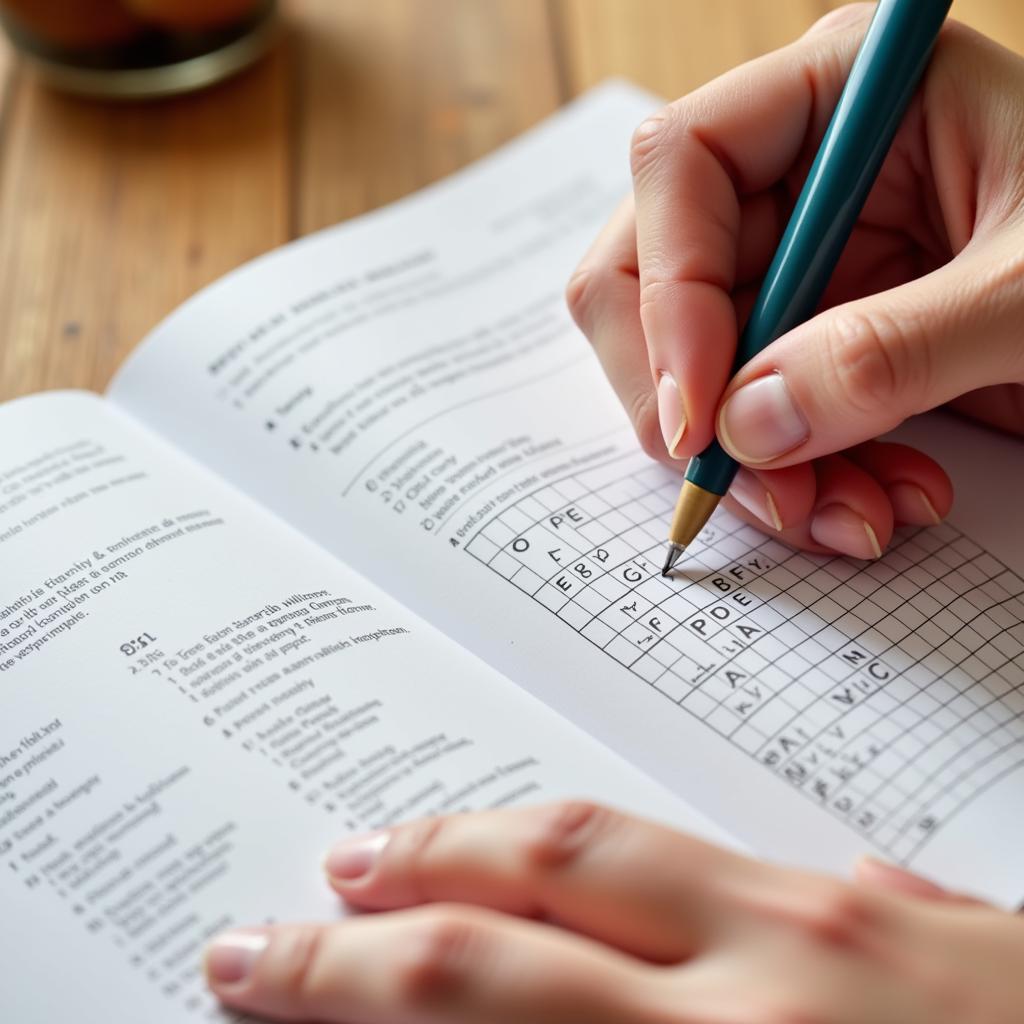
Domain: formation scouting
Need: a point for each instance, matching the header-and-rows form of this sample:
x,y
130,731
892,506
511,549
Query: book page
x,y
195,702
410,391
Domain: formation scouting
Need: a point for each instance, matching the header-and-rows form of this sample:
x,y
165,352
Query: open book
x,y
361,534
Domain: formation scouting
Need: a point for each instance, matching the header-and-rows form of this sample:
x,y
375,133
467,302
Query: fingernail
x,y
748,491
760,422
910,504
872,869
840,528
351,861
231,957
671,414
878,872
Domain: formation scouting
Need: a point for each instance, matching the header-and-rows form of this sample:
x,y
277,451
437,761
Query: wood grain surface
x,y
112,215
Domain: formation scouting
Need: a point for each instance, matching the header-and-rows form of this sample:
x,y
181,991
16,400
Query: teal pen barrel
x,y
885,73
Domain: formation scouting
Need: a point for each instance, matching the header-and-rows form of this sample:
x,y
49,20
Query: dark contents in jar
x,y
128,34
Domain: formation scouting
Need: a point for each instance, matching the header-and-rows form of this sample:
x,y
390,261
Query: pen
x,y
888,66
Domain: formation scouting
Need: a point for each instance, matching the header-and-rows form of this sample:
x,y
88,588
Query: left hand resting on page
x,y
574,913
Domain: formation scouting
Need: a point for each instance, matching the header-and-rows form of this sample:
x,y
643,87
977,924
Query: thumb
x,y
860,369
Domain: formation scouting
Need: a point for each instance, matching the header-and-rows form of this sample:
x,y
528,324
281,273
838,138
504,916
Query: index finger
x,y
692,164
626,882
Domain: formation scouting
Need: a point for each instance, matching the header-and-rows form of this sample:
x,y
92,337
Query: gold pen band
x,y
693,510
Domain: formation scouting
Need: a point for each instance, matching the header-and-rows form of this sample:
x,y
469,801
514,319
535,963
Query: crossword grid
x,y
891,692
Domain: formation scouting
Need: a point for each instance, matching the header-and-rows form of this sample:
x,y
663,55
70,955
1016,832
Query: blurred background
x,y
111,214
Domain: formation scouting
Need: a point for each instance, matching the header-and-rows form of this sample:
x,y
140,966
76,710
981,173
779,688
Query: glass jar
x,y
138,48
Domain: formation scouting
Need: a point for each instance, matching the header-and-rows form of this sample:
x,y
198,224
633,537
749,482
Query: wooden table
x,y
111,216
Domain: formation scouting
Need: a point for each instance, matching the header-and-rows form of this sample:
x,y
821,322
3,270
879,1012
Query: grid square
x,y
665,654
781,577
678,608
1013,673
956,652
969,638
527,580
770,647
942,691
909,616
887,598
862,583
591,601
941,593
748,738
995,684
990,655
800,696
892,629
984,626
1007,645
647,668
845,596
812,651
920,576
926,605
724,721
773,716
938,663
804,592
699,703
947,622
903,588
597,632
878,571
963,609
504,564
874,641
623,651
672,686
850,625
932,635
552,597
810,623
575,615
792,663
845,568
869,612
654,590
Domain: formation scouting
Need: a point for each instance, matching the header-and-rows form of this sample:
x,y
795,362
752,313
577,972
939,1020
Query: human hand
x,y
574,913
926,306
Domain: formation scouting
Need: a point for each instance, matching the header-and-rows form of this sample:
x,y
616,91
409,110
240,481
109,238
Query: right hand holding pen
x,y
925,308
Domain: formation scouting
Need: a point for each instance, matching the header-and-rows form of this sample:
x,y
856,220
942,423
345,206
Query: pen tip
x,y
675,552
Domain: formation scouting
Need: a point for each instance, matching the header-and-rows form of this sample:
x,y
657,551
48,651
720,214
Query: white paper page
x,y
410,391
195,701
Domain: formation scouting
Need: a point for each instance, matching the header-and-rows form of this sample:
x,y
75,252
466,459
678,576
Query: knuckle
x,y
414,849
566,831
581,293
649,140
872,361
654,286
298,956
840,915
438,958
643,412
